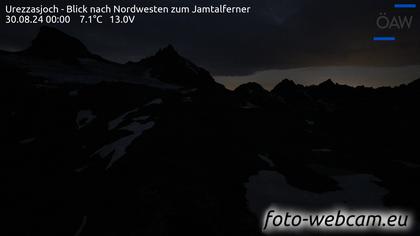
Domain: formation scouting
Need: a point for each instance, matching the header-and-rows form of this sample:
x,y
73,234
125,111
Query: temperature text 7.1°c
x,y
114,19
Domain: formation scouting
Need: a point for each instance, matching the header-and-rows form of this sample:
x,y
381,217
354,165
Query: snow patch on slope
x,y
117,121
118,148
270,187
84,117
157,101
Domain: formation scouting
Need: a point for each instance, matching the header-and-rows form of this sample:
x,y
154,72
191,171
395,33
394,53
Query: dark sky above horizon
x,y
278,35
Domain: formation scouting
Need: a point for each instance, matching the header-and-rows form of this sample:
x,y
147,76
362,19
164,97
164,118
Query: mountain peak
x,y
53,43
327,83
169,66
168,50
169,54
284,85
250,88
287,83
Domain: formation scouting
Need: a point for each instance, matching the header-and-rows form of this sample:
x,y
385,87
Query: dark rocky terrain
x,y
156,147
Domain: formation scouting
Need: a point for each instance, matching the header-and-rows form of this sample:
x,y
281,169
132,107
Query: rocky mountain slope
x,y
157,147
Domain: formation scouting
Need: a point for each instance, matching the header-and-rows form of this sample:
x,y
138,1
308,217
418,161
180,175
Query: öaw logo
x,y
395,22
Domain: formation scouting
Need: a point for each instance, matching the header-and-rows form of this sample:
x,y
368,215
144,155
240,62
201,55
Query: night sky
x,y
305,40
